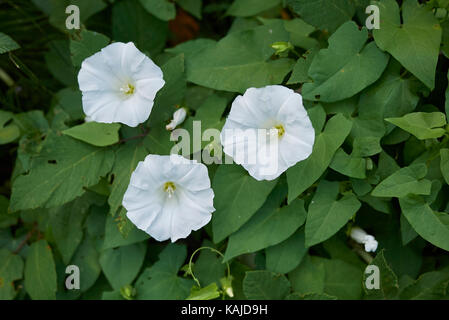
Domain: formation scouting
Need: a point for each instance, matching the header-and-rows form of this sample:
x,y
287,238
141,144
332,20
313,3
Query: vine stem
x,y
191,259
24,241
142,135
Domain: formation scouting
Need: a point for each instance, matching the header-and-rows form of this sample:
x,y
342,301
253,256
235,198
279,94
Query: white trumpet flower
x,y
360,236
169,196
119,84
178,118
269,125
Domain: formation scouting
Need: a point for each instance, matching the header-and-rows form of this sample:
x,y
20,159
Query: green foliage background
x,y
376,98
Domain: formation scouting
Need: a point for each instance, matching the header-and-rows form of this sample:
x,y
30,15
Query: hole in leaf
x,y
52,161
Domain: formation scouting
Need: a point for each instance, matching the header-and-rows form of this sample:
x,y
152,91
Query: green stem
x,y
191,259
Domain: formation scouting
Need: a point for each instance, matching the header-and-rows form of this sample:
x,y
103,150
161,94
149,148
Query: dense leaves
x,y
378,100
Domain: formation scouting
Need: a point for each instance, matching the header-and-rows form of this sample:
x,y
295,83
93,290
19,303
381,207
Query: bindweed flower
x,y
119,84
169,196
178,118
360,236
268,131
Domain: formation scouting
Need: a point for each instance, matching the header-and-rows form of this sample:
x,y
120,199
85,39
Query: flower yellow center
x,y
280,129
127,89
170,188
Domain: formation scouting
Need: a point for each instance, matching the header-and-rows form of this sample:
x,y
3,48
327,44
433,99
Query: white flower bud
x,y
360,236
178,118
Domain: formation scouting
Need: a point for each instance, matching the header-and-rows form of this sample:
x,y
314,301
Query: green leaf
x,y
430,225
126,159
403,182
300,73
324,14
415,42
89,43
444,164
59,62
269,226
391,96
66,223
388,282
95,133
8,131
160,281
87,259
6,219
308,277
162,9
423,125
11,269
287,255
343,280
329,276
70,100
310,296
246,8
131,22
56,10
207,293
237,197
265,285
7,43
171,93
326,214
407,232
429,286
113,238
209,267
345,68
40,272
51,180
349,165
121,265
191,6
304,174
240,60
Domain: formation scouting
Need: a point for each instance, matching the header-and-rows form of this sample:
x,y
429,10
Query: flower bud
x,y
360,236
178,118
281,47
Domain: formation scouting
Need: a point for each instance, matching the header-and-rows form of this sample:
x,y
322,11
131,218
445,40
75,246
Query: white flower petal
x,y
119,84
169,212
274,108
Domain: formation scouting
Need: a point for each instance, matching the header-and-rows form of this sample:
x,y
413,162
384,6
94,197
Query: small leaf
x,y
207,293
40,272
326,214
11,269
388,281
304,174
162,9
121,265
403,182
421,124
432,226
95,133
415,42
160,281
287,255
265,285
90,42
7,43
237,197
